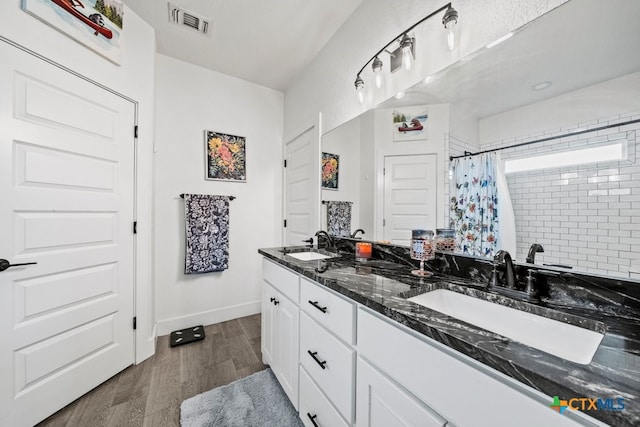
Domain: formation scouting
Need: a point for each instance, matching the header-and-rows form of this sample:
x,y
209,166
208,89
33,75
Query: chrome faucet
x,y
503,257
327,237
531,256
353,235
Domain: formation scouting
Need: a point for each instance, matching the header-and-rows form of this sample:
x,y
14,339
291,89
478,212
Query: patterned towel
x,y
339,218
207,233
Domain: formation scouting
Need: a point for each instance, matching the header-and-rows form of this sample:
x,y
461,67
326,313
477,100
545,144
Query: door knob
x,y
4,264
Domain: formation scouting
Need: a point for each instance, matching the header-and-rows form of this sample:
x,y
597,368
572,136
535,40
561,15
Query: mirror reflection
x,y
572,71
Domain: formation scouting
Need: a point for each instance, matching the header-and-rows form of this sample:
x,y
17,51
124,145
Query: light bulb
x,y
407,57
451,35
359,84
449,21
377,71
378,80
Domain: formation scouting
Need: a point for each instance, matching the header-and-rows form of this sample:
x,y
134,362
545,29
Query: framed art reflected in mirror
x,y
330,171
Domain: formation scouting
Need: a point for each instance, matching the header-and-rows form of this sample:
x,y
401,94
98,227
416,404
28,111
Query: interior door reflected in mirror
x,y
544,90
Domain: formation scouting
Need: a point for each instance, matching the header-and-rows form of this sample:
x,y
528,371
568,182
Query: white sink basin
x,y
309,256
560,339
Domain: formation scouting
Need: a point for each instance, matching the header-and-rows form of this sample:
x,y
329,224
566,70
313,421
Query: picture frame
x,y
330,169
409,124
225,157
95,24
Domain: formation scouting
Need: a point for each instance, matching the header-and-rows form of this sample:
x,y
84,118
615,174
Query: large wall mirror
x,y
573,69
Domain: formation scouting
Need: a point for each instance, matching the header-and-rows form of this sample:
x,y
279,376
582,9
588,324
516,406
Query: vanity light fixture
x,y
405,46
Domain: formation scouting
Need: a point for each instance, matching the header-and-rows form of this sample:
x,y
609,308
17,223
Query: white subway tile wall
x,y
586,216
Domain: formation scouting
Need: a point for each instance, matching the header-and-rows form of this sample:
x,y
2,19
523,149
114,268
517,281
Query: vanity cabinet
x,y
327,331
343,364
452,386
280,326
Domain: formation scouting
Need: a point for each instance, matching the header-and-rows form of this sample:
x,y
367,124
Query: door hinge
x,y
285,223
135,323
384,171
285,163
135,227
384,222
135,131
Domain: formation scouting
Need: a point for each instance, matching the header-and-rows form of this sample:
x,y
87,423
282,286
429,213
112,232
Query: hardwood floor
x,y
150,394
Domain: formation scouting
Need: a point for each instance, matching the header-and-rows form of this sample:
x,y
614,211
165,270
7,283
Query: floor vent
x,y
184,18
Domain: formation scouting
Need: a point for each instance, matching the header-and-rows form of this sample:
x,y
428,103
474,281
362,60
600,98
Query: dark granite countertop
x,y
613,373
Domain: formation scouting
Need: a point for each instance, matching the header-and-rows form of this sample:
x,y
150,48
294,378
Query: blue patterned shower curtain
x,y
474,204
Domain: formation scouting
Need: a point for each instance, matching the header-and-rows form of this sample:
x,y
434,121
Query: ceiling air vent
x,y
184,18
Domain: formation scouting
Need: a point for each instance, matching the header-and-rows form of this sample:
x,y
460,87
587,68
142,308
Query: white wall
x,y
133,78
583,106
327,84
191,99
345,142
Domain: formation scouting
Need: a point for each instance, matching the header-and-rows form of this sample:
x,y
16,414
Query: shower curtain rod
x,y
468,153
230,197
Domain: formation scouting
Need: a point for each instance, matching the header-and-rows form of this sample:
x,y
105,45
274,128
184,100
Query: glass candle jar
x,y
422,249
445,239
363,251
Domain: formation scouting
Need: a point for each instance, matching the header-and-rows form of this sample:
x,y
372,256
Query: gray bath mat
x,y
254,401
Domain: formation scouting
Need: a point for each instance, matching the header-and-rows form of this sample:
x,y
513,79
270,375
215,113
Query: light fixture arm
x,y
446,6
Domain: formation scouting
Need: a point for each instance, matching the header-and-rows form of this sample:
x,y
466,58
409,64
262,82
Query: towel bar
x,y
230,197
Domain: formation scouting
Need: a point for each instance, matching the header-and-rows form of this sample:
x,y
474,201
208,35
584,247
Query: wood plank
x,y
129,413
150,394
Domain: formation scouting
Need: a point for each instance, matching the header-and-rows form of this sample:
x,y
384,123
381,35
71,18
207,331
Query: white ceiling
x,y
580,43
265,42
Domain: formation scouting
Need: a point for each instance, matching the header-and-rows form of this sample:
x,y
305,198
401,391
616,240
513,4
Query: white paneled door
x,y
409,196
302,187
66,185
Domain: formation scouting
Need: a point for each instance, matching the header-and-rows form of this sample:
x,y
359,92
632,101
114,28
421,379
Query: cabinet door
x,y
382,403
315,408
286,346
268,324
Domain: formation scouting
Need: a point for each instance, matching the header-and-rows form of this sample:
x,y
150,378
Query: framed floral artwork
x,y
225,157
96,24
330,169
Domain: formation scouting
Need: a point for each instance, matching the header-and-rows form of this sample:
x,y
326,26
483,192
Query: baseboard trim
x,y
218,315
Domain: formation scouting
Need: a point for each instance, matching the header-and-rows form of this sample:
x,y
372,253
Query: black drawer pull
x,y
316,305
274,301
313,419
318,361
